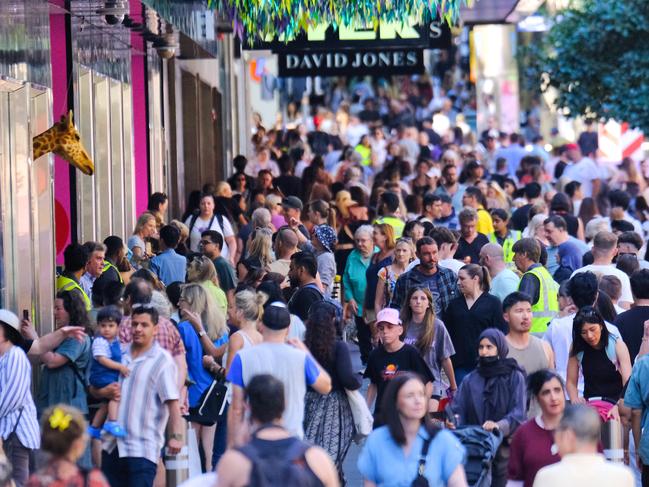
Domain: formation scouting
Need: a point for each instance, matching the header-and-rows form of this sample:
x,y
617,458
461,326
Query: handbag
x,y
212,402
420,480
363,419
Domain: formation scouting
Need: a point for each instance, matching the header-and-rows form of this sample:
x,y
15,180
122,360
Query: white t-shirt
x,y
611,270
585,172
201,226
453,264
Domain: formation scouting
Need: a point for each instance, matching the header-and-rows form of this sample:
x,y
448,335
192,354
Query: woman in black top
x,y
328,420
603,359
469,315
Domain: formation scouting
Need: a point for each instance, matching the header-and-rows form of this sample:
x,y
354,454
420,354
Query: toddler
x,y
105,369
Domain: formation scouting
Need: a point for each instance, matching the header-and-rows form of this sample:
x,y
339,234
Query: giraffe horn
x,y
70,119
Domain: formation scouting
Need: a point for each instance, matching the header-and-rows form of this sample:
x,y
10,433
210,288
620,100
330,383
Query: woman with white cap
x,y
19,429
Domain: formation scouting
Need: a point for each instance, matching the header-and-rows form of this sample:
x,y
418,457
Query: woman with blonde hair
x,y
404,253
273,204
145,228
429,336
201,270
260,246
245,315
204,332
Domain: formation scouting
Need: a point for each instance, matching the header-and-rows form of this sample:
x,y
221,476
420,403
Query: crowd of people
x,y
487,284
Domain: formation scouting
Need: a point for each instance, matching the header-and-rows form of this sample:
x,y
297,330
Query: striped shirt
x,y
142,409
16,396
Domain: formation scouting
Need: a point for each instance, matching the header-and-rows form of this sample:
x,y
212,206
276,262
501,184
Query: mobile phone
x,y
25,314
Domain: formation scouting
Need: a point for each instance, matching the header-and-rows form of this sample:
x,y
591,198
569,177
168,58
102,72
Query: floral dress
x,y
389,277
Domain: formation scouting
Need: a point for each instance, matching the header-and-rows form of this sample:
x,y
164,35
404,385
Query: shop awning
x,y
498,11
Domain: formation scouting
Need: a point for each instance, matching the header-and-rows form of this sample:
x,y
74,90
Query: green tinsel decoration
x,y
285,19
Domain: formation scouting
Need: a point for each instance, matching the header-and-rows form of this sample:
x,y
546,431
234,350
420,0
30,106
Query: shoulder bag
x,y
421,480
363,419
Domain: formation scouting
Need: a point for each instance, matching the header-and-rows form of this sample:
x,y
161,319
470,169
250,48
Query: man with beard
x,y
302,274
441,282
451,187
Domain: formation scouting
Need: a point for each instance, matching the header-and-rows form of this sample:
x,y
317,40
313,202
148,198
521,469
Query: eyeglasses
x,y
205,242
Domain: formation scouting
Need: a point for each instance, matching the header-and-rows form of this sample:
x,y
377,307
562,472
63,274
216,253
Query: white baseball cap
x,y
10,319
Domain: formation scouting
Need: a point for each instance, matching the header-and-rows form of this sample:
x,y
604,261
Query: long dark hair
x,y
587,314
76,308
320,336
390,410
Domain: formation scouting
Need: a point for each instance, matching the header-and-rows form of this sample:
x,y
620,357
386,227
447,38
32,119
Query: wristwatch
x,y
176,436
201,334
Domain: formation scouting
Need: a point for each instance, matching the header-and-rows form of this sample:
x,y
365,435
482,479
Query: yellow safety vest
x,y
394,222
66,284
512,237
547,307
108,265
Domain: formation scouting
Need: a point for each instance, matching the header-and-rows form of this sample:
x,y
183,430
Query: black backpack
x,y
282,467
218,216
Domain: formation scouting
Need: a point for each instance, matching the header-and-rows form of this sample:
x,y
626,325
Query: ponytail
x,y
486,280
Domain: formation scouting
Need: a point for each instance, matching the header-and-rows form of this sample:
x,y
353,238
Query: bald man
x,y
285,246
503,280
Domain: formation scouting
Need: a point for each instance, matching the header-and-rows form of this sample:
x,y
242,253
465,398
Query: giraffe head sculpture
x,y
63,140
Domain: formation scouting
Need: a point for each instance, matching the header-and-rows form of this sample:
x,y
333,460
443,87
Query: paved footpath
x,y
352,475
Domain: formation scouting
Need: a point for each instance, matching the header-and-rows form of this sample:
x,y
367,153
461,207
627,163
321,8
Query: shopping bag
x,y
363,420
194,455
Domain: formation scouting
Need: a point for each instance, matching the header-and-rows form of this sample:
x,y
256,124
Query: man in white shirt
x,y
583,170
577,438
604,250
503,280
447,245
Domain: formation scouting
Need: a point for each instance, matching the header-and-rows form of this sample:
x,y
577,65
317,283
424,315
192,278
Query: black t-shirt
x,y
382,366
466,249
631,326
301,302
520,217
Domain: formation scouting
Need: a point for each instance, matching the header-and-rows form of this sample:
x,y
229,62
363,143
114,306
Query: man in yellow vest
x,y
388,208
502,235
536,283
75,258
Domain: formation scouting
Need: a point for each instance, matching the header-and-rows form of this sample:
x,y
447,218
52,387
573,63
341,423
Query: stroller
x,y
481,447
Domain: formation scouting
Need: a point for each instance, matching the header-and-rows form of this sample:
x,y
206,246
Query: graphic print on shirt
x,y
390,372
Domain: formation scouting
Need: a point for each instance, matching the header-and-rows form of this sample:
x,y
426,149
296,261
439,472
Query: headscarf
x,y
497,376
326,236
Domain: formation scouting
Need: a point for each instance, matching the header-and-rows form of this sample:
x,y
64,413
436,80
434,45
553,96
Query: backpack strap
x,y
192,222
313,285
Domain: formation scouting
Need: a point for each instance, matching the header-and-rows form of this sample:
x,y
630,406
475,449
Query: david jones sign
x,y
351,62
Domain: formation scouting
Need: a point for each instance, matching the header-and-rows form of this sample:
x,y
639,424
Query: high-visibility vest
x,y
108,265
394,222
66,284
547,307
512,237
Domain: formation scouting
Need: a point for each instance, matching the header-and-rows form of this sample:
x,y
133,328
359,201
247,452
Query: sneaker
x,y
113,428
94,433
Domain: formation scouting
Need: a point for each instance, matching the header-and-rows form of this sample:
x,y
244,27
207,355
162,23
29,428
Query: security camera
x,y
114,11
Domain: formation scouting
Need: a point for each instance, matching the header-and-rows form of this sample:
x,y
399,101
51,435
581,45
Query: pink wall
x,y
60,83
140,125
60,107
